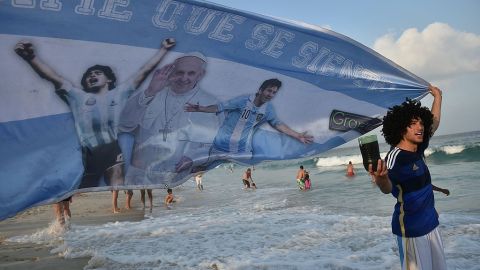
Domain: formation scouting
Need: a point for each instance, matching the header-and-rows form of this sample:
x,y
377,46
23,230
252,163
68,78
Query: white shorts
x,y
422,253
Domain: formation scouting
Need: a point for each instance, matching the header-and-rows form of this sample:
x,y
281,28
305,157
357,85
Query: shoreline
x,y
92,208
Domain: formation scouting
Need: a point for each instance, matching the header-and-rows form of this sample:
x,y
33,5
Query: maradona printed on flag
x,y
98,95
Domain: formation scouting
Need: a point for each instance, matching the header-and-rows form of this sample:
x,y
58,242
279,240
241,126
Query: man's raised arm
x,y
145,70
436,106
27,52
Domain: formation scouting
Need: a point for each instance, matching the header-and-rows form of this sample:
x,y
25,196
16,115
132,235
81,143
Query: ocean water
x,y
341,223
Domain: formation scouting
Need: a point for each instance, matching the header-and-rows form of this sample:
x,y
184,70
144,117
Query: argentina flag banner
x,y
115,94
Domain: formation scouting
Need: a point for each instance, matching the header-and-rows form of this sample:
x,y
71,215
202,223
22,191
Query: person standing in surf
x,y
198,181
62,212
350,169
169,199
150,198
301,178
247,178
307,181
407,128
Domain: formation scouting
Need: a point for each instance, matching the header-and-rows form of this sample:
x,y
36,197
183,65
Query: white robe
x,y
165,134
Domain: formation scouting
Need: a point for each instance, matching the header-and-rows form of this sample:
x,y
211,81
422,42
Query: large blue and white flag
x,y
97,95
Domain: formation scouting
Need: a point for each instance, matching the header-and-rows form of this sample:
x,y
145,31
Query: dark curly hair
x,y
271,83
106,70
399,117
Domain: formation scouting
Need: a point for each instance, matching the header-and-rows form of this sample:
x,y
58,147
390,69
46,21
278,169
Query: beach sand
x,y
87,209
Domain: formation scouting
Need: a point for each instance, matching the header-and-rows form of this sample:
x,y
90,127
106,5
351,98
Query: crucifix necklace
x,y
168,120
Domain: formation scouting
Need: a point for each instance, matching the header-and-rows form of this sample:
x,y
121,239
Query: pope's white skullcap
x,y
198,55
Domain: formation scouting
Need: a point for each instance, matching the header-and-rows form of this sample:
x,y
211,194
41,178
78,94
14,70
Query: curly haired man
x,y
407,128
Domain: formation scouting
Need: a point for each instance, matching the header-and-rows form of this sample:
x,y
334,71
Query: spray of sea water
x,y
341,223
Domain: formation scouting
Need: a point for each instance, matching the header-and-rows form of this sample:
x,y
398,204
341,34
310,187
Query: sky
x,y
438,40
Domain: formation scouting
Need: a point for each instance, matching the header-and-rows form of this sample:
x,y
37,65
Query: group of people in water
x,y
63,213
305,183
303,179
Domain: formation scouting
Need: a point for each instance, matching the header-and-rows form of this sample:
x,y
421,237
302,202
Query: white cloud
x,y
437,52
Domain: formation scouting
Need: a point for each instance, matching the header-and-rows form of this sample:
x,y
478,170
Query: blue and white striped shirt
x,y
96,115
241,120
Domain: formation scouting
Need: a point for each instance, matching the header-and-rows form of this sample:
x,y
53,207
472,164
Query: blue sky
x,y
437,40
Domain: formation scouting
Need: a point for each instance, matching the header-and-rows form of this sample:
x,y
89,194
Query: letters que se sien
x,y
265,38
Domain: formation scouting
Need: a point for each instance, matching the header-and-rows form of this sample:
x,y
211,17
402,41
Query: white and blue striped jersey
x,y
241,120
96,115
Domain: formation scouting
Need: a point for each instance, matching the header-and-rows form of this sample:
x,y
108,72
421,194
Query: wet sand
x,y
87,209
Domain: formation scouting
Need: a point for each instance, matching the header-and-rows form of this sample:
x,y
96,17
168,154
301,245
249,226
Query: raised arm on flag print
x,y
141,107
